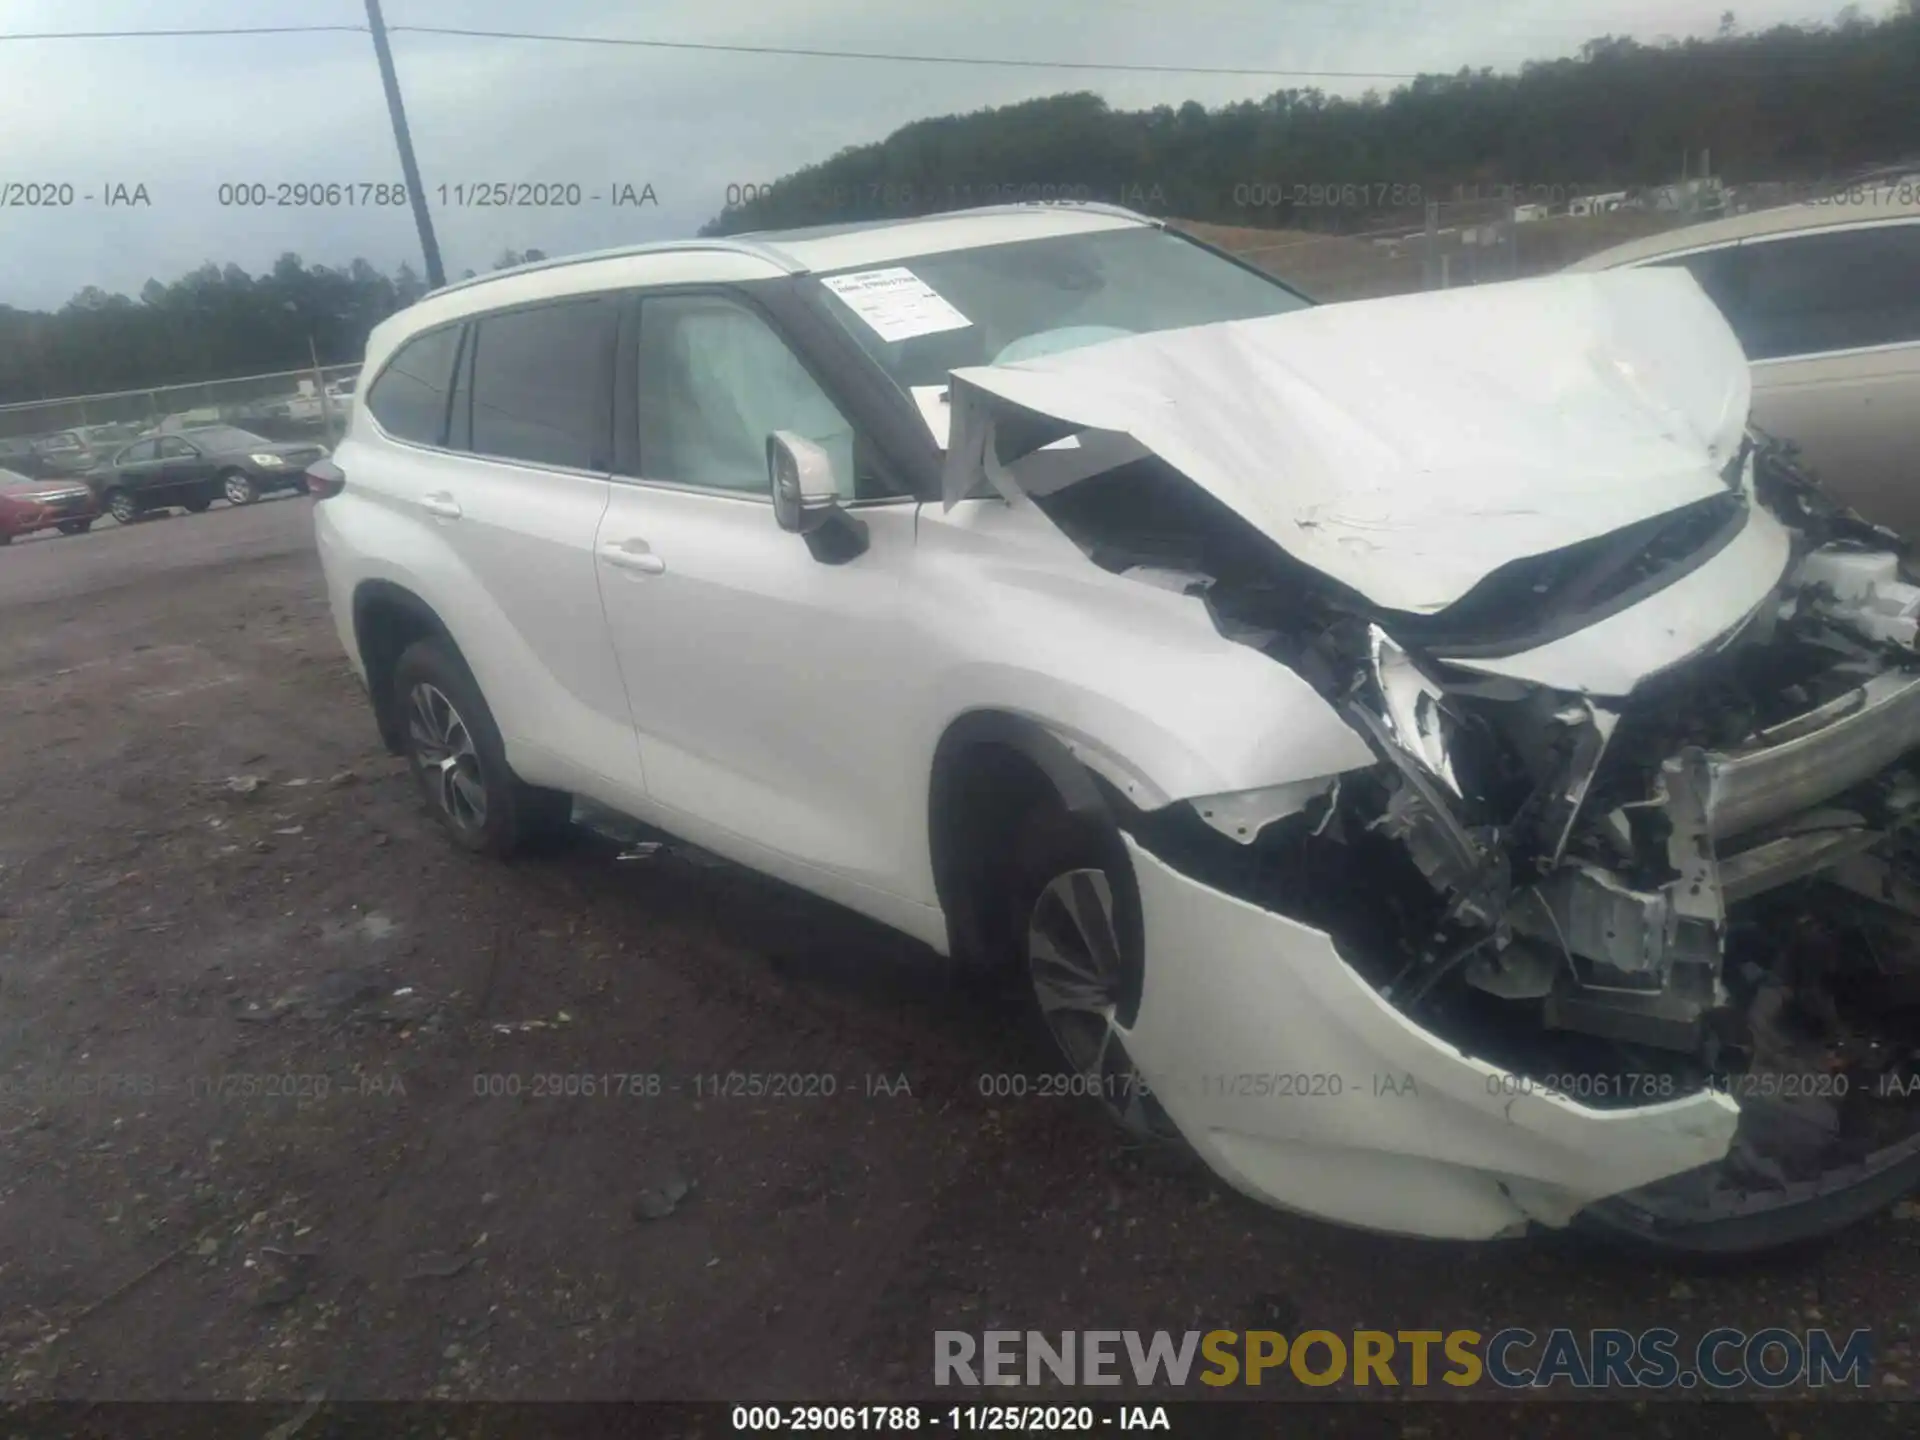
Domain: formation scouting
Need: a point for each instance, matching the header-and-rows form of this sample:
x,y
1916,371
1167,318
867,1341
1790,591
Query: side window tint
x,y
134,454
171,449
410,397
715,381
1838,291
1719,273
543,384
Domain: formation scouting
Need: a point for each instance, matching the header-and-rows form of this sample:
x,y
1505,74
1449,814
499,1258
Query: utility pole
x,y
409,167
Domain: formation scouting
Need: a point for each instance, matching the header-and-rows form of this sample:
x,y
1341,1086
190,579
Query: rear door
x,y
516,496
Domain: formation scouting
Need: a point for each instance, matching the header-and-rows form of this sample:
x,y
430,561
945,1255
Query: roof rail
x,y
1098,207
772,253
768,253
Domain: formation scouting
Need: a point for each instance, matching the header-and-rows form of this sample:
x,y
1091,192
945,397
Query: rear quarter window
x,y
410,397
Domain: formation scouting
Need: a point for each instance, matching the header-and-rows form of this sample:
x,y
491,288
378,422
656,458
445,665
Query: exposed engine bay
x,y
1712,880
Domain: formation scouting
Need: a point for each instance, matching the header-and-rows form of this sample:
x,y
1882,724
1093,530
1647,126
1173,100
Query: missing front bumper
x,y
1297,1083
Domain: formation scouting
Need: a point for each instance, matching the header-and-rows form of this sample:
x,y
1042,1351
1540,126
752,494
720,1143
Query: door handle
x,y
634,555
441,504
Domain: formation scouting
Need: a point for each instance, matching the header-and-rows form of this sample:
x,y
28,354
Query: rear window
x,y
410,397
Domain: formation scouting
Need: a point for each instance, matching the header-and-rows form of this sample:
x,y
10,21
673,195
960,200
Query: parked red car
x,y
49,503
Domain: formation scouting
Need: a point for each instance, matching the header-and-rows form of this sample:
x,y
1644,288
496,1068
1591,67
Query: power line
x,y
825,54
717,48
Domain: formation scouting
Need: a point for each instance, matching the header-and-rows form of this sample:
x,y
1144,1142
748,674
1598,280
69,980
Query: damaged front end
x,y
1632,887
1707,885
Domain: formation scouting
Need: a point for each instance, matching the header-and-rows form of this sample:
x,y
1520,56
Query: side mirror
x,y
804,497
807,503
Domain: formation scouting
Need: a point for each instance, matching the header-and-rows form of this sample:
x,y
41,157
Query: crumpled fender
x,y
1136,681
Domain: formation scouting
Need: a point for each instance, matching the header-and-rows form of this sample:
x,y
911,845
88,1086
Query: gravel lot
x,y
274,1121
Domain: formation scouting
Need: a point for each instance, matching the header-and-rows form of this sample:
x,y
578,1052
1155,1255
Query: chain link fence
x,y
41,437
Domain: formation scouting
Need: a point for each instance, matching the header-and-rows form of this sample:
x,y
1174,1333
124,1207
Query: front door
x,y
764,683
184,473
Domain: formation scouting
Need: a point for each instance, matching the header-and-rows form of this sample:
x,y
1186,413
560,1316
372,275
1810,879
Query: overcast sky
x,y
183,115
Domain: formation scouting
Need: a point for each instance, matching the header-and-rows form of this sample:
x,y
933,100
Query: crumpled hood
x,y
1408,447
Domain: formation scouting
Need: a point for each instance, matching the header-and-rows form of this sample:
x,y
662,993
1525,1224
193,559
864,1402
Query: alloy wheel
x,y
444,750
1079,979
239,490
122,507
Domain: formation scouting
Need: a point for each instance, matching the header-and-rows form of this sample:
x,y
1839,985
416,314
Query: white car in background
x,y
1423,754
1825,297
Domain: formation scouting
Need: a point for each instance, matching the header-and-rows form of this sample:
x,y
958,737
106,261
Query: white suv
x,y
1429,759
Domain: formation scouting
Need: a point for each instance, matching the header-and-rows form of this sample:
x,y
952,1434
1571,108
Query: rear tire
x,y
453,748
123,507
1076,918
196,507
75,527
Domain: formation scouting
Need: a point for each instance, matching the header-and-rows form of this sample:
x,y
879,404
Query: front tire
x,y
239,487
123,507
454,751
1076,914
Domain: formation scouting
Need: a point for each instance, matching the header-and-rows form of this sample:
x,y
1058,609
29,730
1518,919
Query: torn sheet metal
x,y
1410,446
1375,1122
1689,617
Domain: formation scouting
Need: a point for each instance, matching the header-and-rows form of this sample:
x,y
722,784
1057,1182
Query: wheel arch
x,y
990,769
387,618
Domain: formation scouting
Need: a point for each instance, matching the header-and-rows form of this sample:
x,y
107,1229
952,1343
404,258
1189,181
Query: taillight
x,y
325,479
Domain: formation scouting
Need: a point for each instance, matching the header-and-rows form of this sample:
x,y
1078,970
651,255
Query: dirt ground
x,y
274,1118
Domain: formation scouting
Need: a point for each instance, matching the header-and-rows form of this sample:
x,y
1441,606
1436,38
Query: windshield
x,y
227,437
1036,297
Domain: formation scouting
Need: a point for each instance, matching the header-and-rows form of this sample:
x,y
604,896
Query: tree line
x,y
1791,103
212,324
1788,103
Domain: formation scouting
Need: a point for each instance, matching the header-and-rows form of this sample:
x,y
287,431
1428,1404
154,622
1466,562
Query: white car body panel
x,y
1420,1139
1137,680
784,746
1408,447
514,582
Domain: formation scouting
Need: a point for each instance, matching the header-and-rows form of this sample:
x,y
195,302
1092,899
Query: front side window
x,y
1814,294
715,380
410,397
1839,291
542,386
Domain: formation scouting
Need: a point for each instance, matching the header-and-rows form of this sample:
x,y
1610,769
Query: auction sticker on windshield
x,y
897,303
